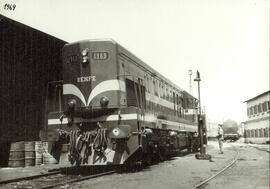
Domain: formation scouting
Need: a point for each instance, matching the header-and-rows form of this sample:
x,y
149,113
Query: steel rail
x,y
29,177
259,148
218,173
76,180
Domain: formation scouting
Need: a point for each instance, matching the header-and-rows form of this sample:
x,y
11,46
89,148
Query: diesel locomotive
x,y
111,108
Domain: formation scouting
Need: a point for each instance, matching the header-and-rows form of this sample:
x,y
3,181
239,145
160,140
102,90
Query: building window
x,y
266,132
248,133
163,91
155,87
167,94
147,84
264,106
261,132
260,108
251,110
255,109
255,133
252,133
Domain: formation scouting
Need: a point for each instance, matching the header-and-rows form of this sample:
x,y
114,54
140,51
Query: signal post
x,y
202,155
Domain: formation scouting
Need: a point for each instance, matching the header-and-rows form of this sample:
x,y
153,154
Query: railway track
x,y
50,180
68,181
29,177
261,149
201,184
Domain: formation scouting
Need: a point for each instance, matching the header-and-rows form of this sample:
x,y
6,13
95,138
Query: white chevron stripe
x,y
73,90
109,85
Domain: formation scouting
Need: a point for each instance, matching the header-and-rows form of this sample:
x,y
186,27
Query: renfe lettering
x,y
86,79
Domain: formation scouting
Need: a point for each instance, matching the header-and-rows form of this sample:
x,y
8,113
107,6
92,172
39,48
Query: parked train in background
x,y
112,108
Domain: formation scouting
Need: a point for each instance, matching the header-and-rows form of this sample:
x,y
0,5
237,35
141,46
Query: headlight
x,y
116,131
173,133
104,101
72,103
84,52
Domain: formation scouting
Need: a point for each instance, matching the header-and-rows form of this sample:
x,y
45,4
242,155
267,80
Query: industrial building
x,y
29,59
256,126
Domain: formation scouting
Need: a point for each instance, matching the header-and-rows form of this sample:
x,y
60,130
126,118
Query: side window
x,y
131,97
132,88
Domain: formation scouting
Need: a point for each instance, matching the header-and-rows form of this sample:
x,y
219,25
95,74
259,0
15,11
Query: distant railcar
x,y
112,108
231,136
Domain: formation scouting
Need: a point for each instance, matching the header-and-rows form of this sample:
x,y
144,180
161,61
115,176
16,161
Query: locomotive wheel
x,y
147,157
161,155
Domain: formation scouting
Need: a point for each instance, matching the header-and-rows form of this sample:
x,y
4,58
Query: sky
x,y
226,40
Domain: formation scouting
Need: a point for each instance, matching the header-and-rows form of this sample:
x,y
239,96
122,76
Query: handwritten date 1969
x,y
9,7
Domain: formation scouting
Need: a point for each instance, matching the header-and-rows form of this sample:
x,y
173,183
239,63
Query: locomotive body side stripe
x,y
102,118
160,101
148,118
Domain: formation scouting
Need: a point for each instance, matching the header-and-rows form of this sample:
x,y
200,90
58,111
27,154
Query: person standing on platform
x,y
220,138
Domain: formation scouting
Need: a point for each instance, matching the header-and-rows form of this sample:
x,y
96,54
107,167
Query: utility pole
x,y
202,154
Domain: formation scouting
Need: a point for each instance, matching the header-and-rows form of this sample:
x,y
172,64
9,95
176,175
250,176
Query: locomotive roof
x,y
137,61
151,70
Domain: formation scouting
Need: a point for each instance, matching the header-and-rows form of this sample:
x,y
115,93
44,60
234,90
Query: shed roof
x,y
262,94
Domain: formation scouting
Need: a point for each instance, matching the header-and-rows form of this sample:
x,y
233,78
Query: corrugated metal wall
x,y
28,60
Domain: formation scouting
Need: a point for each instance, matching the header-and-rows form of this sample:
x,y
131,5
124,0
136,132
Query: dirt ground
x,y
179,172
250,171
185,171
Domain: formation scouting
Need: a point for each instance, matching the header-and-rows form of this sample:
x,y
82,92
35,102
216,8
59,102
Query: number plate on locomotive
x,y
100,55
72,58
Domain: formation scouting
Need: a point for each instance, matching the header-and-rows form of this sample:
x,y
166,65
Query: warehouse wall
x,y
28,60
